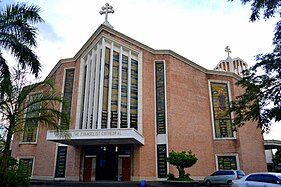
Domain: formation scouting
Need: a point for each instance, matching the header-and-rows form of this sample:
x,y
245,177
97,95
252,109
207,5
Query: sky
x,y
196,29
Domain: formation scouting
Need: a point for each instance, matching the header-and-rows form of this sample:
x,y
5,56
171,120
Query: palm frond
x,y
5,77
18,34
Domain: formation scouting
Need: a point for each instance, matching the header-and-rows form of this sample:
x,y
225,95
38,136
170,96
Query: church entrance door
x,y
126,168
107,163
88,168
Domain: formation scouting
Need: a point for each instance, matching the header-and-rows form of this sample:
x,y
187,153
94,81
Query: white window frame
x,y
212,112
28,157
37,132
55,161
226,155
160,138
63,85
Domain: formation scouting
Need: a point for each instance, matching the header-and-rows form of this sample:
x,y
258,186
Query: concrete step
x,y
38,183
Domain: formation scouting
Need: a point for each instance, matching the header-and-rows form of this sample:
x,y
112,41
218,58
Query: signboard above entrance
x,y
96,137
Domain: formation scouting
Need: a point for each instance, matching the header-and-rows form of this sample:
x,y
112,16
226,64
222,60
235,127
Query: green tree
x,y
18,35
261,100
277,158
17,110
182,160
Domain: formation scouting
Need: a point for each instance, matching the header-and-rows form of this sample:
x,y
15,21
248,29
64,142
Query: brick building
x,y
130,106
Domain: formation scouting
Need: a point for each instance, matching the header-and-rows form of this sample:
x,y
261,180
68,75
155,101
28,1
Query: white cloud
x,y
196,29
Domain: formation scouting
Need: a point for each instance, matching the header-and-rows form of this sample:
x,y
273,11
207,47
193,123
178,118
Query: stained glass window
x,y
25,165
124,91
222,118
227,162
114,92
160,97
32,114
162,160
109,98
98,86
61,161
105,89
67,93
83,97
93,76
134,95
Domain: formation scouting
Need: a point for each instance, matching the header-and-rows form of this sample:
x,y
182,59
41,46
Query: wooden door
x,y
126,169
87,169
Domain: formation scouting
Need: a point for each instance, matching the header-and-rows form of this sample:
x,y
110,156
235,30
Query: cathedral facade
x,y
130,105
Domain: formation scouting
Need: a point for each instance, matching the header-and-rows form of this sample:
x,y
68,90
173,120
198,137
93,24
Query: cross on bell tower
x,y
227,49
105,10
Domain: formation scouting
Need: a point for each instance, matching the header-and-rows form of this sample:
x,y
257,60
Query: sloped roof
x,y
98,34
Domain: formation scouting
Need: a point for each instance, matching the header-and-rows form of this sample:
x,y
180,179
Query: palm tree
x,y
18,35
21,111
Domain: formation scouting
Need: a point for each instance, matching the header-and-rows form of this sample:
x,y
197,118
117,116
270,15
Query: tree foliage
x,y
261,100
18,35
182,160
277,158
12,176
16,111
267,7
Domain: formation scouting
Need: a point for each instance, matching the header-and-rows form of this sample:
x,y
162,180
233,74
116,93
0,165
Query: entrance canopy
x,y
96,136
272,144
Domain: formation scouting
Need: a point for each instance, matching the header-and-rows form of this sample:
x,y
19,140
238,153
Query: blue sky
x,y
196,29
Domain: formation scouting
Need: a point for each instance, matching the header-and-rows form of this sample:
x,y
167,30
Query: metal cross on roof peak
x,y
105,10
227,49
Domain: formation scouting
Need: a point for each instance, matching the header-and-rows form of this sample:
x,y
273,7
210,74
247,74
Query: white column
x,y
226,66
110,86
96,93
231,65
101,83
86,96
92,89
80,93
119,87
129,91
140,93
239,67
242,65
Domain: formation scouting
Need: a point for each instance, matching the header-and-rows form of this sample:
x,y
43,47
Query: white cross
x,y
227,49
105,10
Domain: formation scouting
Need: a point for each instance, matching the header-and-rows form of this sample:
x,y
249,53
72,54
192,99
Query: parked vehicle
x,y
223,177
264,179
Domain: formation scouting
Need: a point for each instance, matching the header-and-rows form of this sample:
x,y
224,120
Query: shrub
x,y
182,160
13,176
